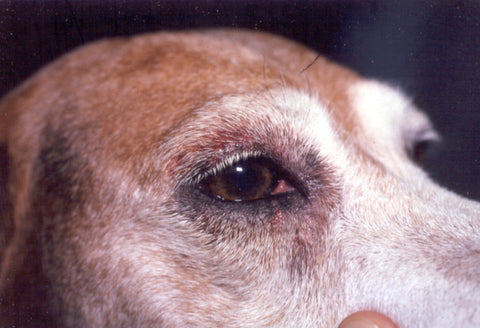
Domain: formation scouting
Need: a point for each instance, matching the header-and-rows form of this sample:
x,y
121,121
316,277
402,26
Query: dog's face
x,y
224,179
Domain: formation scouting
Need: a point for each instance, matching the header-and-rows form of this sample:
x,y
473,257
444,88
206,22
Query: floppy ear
x,y
6,209
6,215
22,286
7,229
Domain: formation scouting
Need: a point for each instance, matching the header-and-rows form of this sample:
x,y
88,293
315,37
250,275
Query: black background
x,y
430,49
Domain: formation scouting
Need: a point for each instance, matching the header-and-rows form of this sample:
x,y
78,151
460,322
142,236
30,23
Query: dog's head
x,y
224,179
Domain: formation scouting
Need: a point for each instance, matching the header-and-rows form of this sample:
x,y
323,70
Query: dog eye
x,y
247,180
419,151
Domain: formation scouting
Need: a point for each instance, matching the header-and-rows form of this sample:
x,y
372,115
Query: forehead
x,y
237,63
203,67
244,67
157,82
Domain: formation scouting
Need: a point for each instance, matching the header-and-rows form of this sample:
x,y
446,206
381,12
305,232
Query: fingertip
x,y
367,319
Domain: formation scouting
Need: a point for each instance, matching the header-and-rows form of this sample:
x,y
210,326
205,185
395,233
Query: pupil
x,y
246,178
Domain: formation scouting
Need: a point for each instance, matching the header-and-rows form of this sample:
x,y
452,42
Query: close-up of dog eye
x,y
247,180
421,149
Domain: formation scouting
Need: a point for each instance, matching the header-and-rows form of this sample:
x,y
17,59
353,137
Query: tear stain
x,y
302,258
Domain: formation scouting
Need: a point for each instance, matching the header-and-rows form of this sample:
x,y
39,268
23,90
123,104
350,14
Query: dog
x,y
224,178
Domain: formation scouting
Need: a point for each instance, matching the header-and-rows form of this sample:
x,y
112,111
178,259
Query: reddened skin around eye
x,y
367,319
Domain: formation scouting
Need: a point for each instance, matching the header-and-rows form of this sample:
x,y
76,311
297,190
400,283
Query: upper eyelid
x,y
223,164
427,134
418,128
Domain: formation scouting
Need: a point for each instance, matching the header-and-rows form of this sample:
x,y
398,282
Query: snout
x,y
413,251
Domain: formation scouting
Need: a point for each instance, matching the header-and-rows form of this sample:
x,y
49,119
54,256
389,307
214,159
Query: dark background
x,y
430,49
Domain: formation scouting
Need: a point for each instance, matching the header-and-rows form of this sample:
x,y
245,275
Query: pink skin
x,y
367,319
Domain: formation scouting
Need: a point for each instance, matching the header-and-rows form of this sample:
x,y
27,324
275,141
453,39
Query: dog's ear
x,y
6,212
22,286
7,229
6,208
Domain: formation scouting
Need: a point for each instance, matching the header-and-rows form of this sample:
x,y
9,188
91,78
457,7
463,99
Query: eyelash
x,y
226,163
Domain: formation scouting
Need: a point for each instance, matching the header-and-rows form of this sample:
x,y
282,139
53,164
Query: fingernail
x,y
354,322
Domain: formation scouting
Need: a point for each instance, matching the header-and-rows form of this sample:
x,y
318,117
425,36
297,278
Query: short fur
x,y
103,224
